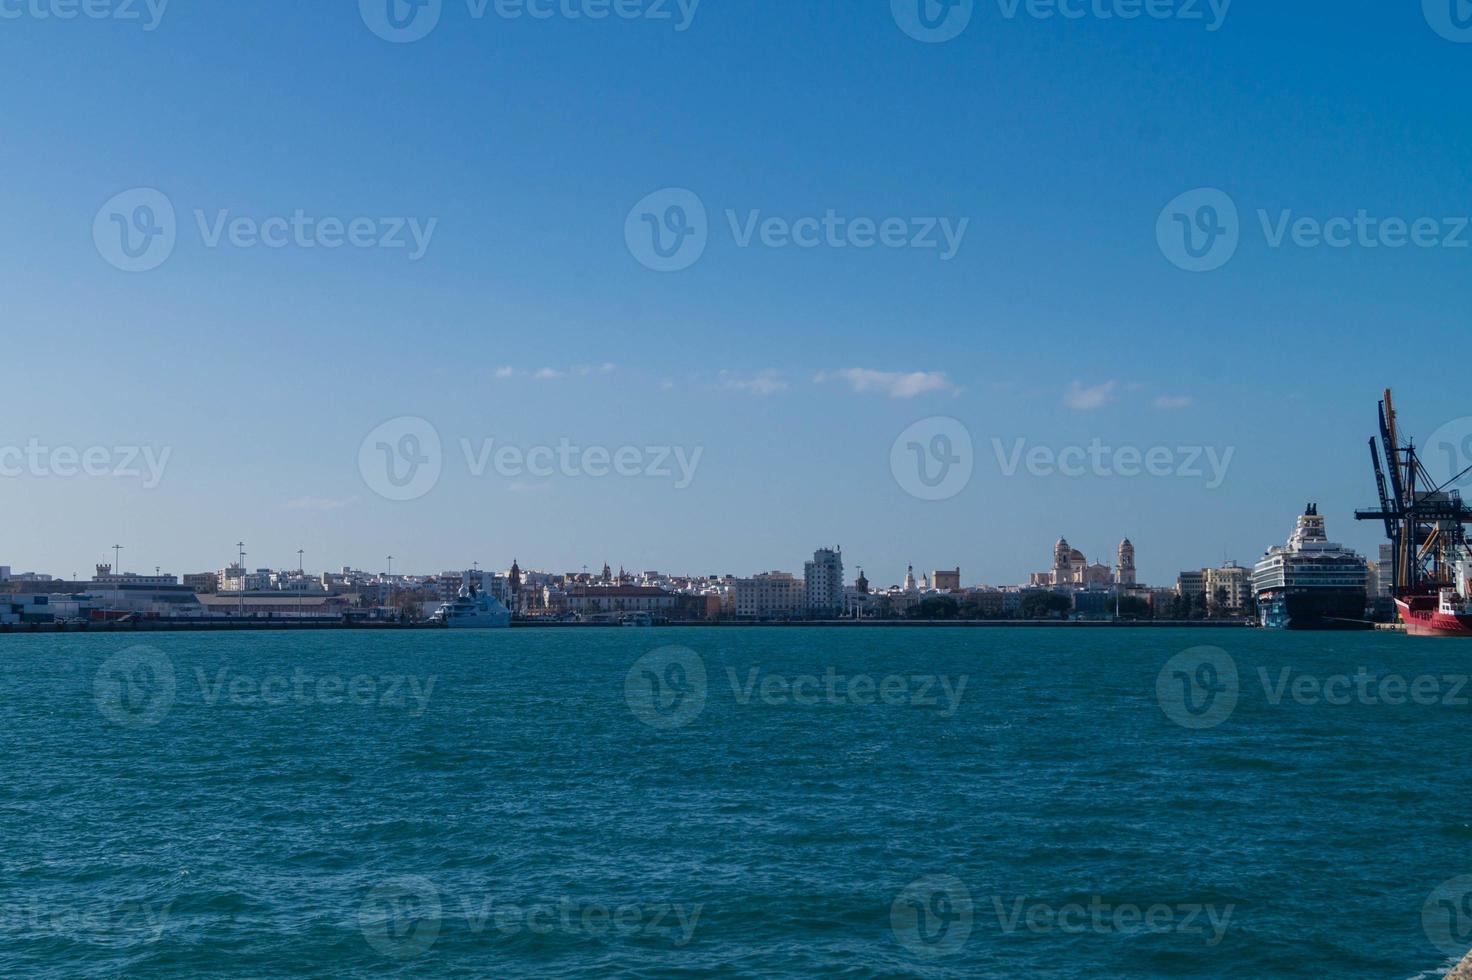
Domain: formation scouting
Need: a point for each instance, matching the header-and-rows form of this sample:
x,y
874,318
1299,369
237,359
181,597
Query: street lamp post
x,y
240,546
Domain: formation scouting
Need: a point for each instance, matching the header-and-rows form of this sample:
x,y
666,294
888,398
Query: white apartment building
x,y
770,595
823,582
1234,579
234,578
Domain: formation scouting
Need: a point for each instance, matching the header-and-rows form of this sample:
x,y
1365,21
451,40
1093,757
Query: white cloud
x,y
767,382
554,374
895,384
1088,399
318,503
1169,402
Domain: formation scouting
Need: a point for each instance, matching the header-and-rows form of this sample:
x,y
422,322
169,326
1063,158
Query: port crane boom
x,y
1425,526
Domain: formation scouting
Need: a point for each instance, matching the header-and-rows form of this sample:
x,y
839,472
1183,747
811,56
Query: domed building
x,y
1072,568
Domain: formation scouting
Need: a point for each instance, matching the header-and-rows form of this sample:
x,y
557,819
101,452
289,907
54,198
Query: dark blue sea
x,y
993,803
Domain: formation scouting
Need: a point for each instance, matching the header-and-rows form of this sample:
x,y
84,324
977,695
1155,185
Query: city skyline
x,y
850,571
500,290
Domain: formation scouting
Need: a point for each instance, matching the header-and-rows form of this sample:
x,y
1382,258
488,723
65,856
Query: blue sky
x,y
1059,321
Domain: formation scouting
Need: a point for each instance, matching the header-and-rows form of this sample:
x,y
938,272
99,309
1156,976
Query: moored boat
x,y
1311,583
473,609
1444,614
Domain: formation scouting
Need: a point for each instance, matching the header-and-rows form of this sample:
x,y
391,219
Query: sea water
x,y
737,802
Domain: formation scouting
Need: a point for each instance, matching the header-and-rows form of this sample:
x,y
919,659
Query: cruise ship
x,y
1311,583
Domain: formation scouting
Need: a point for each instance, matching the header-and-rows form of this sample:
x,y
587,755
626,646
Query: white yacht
x,y
474,610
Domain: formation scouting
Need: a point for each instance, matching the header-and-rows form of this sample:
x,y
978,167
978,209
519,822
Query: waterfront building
x,y
234,578
1191,584
105,575
204,583
593,599
823,582
1232,579
1385,582
946,581
4,573
28,608
277,605
1092,604
29,577
910,585
992,603
770,595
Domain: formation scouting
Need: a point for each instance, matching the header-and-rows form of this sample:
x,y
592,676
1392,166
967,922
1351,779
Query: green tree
x,y
1042,605
1034,606
1129,607
935,607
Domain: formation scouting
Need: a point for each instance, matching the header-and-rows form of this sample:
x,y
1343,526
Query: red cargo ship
x,y
1443,613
